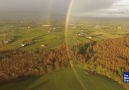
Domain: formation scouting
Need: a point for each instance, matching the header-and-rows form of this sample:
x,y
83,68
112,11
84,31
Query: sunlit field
x,y
68,79
27,36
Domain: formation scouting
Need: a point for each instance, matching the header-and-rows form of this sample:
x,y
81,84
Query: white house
x,y
22,45
97,26
43,45
119,27
90,37
74,27
6,42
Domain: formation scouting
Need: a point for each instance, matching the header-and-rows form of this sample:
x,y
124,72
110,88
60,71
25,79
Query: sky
x,y
116,8
98,8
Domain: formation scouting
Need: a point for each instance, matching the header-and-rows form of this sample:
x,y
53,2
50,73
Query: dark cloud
x,y
53,7
34,5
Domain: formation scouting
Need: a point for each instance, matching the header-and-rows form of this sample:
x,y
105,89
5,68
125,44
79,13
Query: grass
x,y
67,79
57,37
38,35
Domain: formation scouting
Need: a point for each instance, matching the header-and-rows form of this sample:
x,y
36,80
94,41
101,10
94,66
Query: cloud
x,y
60,7
56,6
101,8
81,6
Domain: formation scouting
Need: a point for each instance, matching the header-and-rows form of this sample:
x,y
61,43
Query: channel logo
x,y
126,77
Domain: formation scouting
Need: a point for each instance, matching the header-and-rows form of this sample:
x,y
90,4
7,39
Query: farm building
x,y
119,27
26,43
97,26
22,45
89,37
46,25
43,45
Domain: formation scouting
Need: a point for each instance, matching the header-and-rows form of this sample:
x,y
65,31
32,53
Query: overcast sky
x,y
108,8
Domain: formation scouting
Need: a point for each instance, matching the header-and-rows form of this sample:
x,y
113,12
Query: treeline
x,y
39,62
109,57
112,58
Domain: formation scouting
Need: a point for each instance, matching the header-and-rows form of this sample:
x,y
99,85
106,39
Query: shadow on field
x,y
25,84
38,87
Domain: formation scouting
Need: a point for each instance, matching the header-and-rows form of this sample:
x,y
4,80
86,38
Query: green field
x,y
54,36
67,79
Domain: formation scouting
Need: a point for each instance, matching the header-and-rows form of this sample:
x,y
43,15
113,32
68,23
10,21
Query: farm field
x,y
30,36
67,79
27,37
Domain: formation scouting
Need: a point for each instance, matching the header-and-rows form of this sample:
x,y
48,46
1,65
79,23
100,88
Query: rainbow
x,y
66,38
66,41
49,12
67,20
